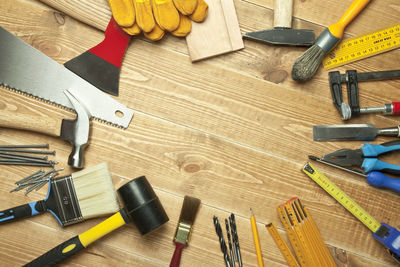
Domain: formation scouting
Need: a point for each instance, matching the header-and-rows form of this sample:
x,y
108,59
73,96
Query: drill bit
x,y
228,235
221,241
235,239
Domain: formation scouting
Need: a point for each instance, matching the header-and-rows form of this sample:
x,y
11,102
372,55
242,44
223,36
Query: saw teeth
x,y
16,91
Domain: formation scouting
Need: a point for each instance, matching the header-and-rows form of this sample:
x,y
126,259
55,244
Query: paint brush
x,y
71,199
188,214
307,64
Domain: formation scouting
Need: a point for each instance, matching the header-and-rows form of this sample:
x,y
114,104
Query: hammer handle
x,y
283,11
34,123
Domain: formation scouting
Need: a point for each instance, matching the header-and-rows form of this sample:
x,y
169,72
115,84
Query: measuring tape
x,y
363,46
384,233
283,247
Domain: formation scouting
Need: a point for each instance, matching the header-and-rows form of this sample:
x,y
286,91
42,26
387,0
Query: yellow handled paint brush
x,y
307,64
186,219
71,199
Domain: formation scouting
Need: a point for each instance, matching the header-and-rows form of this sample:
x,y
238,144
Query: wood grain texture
x,y
233,130
218,34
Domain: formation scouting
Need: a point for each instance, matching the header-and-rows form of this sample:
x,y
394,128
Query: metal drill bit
x,y
235,239
221,241
228,235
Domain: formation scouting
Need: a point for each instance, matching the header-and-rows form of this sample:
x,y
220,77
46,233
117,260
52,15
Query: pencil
x,y
256,239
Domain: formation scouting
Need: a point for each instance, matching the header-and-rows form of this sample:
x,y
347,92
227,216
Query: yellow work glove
x,y
153,17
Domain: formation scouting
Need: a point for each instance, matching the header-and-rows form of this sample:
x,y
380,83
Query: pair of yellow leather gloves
x,y
155,17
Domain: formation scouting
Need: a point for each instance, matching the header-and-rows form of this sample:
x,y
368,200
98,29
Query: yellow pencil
x,y
256,239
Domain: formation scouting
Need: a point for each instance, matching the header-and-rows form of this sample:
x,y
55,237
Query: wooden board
x,y
218,34
233,130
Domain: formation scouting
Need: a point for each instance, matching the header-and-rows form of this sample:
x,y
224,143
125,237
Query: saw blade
x,y
26,69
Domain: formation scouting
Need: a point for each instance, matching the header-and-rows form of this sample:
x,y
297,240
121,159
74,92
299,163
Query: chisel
x,y
351,132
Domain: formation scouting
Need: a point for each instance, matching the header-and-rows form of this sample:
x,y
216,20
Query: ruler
x,y
364,46
283,247
342,198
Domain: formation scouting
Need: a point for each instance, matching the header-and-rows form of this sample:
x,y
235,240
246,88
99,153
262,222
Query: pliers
x,y
365,157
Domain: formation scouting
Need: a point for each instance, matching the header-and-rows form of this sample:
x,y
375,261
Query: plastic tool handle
x,y
390,238
371,150
112,48
39,124
373,164
20,212
395,108
77,243
356,7
176,258
378,179
283,10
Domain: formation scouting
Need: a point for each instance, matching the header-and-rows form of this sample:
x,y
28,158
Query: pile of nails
x,y
19,155
36,180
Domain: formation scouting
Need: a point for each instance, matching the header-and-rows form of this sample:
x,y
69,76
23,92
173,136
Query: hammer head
x,y
283,36
76,131
142,205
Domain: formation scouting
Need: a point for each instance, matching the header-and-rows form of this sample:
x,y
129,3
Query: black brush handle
x,y
58,254
23,211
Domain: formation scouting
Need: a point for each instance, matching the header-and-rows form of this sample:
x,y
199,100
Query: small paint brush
x,y
82,195
307,64
186,219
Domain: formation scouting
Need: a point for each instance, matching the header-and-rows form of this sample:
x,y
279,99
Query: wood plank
x,y
218,34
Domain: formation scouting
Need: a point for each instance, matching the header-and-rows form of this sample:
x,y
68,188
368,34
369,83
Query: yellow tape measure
x,y
341,197
283,247
363,46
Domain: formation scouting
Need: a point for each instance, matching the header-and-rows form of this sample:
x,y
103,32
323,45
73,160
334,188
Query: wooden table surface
x,y
233,130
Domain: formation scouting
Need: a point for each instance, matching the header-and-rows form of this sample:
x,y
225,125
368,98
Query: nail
x,y
28,151
28,177
26,146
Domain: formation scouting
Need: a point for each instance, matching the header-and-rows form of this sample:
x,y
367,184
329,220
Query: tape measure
x,y
283,247
363,46
342,198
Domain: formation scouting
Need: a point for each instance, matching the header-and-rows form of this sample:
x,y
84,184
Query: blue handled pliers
x,y
365,157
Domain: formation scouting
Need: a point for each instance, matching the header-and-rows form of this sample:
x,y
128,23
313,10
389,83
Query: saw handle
x,y
40,124
283,10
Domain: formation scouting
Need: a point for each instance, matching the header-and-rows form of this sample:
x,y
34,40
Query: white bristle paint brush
x,y
71,199
307,64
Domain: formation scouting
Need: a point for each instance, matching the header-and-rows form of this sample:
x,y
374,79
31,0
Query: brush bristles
x,y
189,209
307,64
95,191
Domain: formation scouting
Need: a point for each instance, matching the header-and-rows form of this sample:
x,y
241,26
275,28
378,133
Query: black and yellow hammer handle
x,y
77,243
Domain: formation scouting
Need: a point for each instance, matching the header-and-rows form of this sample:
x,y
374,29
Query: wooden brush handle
x,y
356,7
176,258
283,10
34,123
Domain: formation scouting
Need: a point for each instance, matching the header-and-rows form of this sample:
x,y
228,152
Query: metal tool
x,y
384,233
74,131
351,132
235,240
27,70
222,243
374,178
364,46
351,78
365,157
282,33
228,237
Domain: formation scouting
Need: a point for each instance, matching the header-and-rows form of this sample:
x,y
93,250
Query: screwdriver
x,y
374,178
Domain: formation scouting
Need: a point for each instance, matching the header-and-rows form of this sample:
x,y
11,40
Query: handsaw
x,y
27,70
